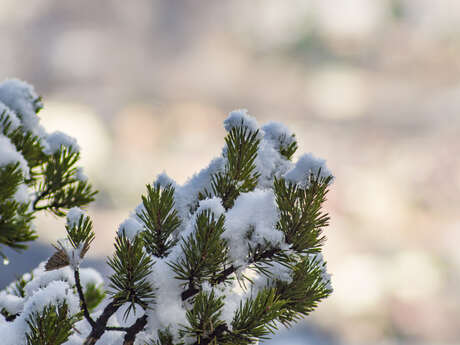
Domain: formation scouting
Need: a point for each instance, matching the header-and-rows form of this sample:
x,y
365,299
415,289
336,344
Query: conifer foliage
x,y
38,171
226,258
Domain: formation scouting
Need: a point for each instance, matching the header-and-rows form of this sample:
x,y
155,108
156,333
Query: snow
x,y
57,139
80,174
213,204
270,163
11,303
23,100
238,117
90,276
169,309
73,254
186,196
255,211
279,134
22,194
9,154
131,227
54,293
306,165
164,180
12,117
74,215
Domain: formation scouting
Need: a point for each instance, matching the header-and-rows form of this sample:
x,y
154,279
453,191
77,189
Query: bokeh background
x,y
373,86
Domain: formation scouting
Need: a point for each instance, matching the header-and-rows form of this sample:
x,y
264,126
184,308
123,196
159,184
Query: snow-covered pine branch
x,y
38,170
226,258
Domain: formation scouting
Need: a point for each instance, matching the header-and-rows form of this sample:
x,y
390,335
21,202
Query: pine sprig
x,y
301,217
204,251
93,295
307,288
25,142
204,317
160,219
60,188
80,234
52,326
240,174
287,149
255,318
15,216
131,267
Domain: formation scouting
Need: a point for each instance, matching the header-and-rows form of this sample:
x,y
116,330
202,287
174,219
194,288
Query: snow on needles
x,y
21,97
9,154
57,139
74,215
130,228
45,288
306,165
238,117
11,115
251,221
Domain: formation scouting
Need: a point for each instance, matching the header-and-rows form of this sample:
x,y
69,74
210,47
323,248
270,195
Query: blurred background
x,y
371,86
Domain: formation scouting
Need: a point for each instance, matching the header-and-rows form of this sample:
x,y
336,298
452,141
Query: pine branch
x,y
82,299
308,287
205,252
255,319
224,274
203,318
131,267
100,324
301,215
132,331
51,326
60,187
240,174
160,219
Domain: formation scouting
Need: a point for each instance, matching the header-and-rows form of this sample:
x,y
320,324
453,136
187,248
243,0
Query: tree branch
x,y
101,323
191,291
132,331
82,298
217,332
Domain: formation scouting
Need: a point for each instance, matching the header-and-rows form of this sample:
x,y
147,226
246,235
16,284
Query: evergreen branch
x,y
216,334
81,234
203,318
308,287
100,324
205,252
160,219
240,175
224,274
131,267
132,331
83,304
60,187
53,325
285,148
301,216
255,319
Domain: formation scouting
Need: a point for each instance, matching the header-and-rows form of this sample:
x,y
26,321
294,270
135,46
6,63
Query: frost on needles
x,y
226,258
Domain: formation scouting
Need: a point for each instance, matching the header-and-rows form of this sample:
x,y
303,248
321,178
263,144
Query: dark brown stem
x,y
132,331
39,198
222,276
101,323
82,298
